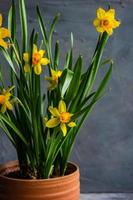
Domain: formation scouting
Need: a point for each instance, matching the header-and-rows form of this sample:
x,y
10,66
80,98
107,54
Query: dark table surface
x,y
107,196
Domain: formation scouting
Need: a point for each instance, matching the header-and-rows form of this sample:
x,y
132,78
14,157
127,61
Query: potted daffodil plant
x,y
42,124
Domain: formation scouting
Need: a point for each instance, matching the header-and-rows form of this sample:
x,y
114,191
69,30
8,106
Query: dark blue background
x,y
104,148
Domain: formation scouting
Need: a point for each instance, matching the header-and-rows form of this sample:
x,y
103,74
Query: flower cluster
x,y
104,22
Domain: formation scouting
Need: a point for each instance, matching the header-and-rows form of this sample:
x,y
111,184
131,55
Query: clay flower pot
x,y
62,188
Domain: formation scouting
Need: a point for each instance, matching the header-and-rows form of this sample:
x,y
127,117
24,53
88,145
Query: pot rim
x,y
10,164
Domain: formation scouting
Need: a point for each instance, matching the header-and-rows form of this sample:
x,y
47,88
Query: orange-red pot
x,y
62,188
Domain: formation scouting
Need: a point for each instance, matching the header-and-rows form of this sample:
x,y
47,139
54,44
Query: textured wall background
x,y
104,148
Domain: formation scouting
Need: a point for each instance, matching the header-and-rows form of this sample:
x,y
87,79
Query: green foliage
x,y
45,151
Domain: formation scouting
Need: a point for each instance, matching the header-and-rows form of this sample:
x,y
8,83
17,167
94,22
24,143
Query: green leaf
x,y
15,129
68,63
56,55
5,129
103,84
92,72
24,28
71,40
65,80
74,85
8,58
42,25
52,28
86,100
97,95
12,21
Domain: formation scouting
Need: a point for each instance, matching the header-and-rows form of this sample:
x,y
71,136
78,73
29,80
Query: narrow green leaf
x,y
5,129
97,95
42,25
74,85
95,66
71,40
65,80
24,28
15,129
8,58
56,55
52,28
12,21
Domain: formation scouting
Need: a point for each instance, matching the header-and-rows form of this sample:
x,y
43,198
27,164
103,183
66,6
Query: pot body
x,y
61,188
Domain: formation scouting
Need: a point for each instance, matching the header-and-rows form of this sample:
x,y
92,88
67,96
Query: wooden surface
x,y
108,196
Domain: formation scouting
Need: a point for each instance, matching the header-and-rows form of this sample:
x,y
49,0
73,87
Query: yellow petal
x,y
9,105
54,111
100,13
26,57
44,61
116,24
27,68
0,19
38,69
63,128
100,29
4,32
52,122
111,13
96,22
7,95
34,48
3,43
62,106
41,52
72,124
59,73
53,72
109,31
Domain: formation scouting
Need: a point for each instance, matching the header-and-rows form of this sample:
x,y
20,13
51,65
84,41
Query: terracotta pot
x,y
62,188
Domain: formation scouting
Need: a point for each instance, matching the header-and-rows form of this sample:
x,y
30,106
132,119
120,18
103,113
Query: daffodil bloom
x,y
53,80
60,116
4,33
37,60
105,21
5,100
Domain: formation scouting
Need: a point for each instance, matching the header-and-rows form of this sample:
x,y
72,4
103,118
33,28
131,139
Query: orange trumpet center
x,y
104,22
36,58
65,117
2,99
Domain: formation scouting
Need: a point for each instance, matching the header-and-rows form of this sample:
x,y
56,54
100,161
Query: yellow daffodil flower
x,y
53,80
4,33
37,60
105,21
5,100
60,116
